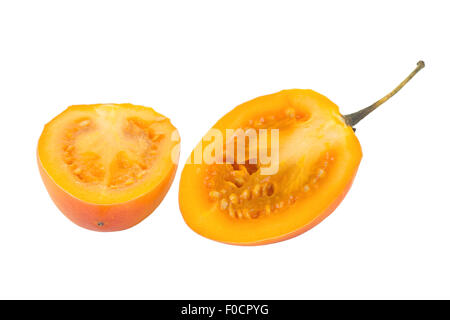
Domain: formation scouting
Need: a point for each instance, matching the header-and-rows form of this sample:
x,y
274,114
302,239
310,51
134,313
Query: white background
x,y
193,61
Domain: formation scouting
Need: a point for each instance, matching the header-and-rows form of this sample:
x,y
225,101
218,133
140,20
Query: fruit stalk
x,y
353,118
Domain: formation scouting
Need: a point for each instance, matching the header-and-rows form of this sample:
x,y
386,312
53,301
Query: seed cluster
x,y
236,192
255,196
86,166
127,169
240,191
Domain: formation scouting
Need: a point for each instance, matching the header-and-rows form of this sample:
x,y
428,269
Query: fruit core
x,y
109,149
240,190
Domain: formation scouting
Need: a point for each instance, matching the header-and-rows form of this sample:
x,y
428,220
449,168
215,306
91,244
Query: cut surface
x,y
318,155
107,153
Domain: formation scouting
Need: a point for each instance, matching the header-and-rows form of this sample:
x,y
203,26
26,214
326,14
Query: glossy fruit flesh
x,y
107,166
318,158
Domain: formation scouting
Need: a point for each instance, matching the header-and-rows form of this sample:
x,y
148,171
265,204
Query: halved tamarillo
x,y
108,166
272,168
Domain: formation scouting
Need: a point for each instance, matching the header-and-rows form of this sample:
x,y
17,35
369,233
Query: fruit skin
x,y
103,218
205,220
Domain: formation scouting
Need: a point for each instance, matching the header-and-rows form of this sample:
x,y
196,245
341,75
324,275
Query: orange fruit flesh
x,y
107,158
318,159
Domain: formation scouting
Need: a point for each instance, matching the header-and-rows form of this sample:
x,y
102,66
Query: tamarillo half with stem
x,y
241,198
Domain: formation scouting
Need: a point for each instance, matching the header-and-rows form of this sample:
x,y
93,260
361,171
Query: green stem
x,y
353,118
